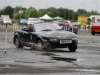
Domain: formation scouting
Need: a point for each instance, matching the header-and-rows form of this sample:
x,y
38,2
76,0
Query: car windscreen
x,y
46,26
7,19
23,20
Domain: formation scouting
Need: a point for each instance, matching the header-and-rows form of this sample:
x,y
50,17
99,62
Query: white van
x,y
94,19
7,21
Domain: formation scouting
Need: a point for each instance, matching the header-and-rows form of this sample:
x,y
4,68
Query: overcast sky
x,y
70,4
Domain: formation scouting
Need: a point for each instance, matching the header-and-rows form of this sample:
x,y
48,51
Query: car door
x,y
25,36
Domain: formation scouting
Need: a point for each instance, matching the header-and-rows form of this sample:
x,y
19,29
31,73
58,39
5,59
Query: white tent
x,y
46,17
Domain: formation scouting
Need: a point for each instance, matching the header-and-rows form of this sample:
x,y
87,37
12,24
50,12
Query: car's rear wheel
x,y
93,33
72,49
18,43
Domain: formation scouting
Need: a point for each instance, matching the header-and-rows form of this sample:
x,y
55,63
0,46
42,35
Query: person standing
x,y
79,25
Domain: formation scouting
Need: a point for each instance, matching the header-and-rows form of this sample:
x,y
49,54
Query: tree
x,y
76,14
31,12
53,12
42,12
1,12
91,13
61,12
66,15
17,14
9,11
82,11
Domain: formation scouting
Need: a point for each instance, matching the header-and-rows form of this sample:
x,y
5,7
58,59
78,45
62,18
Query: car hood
x,y
57,34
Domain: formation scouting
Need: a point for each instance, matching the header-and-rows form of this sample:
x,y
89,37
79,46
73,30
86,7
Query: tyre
x,y
72,49
93,33
39,45
18,43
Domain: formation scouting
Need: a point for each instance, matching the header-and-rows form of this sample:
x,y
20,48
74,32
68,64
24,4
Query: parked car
x,y
74,25
23,22
7,21
30,21
45,36
64,25
95,28
33,20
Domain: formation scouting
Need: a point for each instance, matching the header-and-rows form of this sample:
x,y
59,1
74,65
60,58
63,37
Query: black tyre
x,y
72,49
17,43
93,33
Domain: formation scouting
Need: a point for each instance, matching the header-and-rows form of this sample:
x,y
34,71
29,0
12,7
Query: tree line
x,y
67,14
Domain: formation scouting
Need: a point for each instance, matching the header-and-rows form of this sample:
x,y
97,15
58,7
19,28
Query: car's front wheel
x,y
39,45
72,49
18,43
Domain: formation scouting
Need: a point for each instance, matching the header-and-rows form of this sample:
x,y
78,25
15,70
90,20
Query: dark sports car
x,y
45,36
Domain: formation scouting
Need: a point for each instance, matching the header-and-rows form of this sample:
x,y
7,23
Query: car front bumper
x,y
56,44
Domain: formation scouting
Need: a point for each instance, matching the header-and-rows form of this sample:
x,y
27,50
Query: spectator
x,y
79,25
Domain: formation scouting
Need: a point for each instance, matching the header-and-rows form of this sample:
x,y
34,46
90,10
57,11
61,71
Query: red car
x,y
73,27
95,28
64,25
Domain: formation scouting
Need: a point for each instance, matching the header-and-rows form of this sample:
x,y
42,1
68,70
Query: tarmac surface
x,y
85,61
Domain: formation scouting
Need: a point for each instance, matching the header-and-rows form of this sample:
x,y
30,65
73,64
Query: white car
x,y
7,21
30,21
33,20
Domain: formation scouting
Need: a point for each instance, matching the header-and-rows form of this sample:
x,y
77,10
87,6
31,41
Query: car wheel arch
x,y
73,48
16,36
20,45
38,39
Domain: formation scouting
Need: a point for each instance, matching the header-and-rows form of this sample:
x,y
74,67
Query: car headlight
x,y
53,39
74,38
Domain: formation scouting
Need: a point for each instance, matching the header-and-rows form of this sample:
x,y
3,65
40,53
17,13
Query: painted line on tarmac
x,y
82,41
